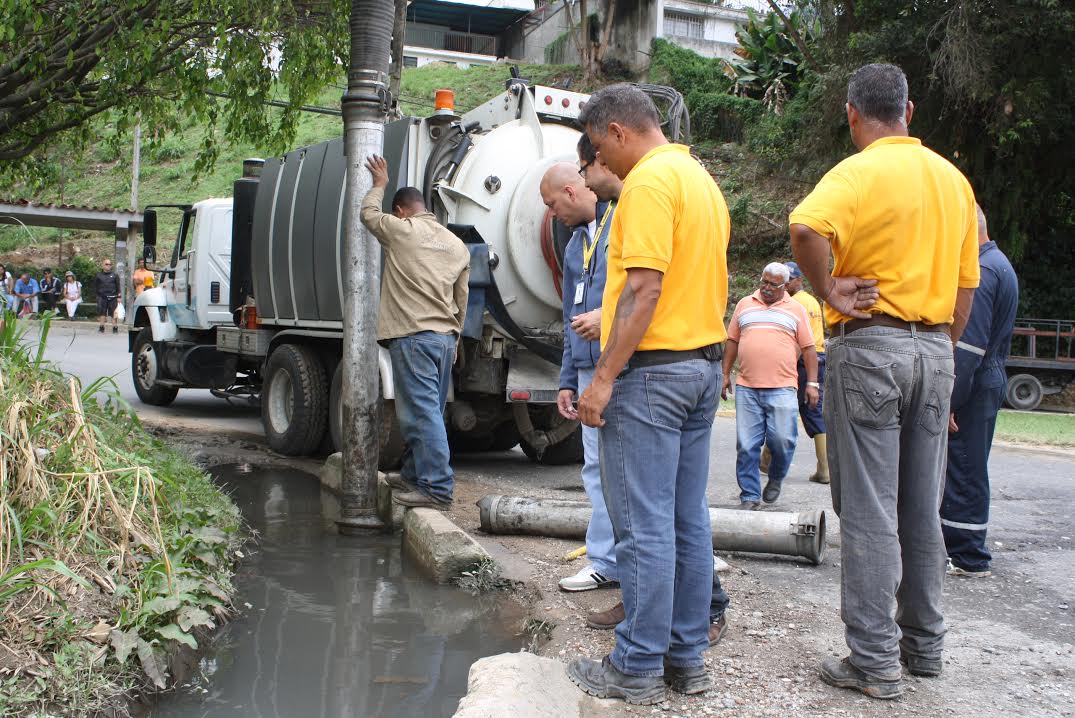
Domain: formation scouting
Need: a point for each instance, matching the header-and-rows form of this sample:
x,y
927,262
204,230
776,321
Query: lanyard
x,y
588,251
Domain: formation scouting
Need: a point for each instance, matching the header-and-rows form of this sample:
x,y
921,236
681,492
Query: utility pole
x,y
398,33
132,234
364,109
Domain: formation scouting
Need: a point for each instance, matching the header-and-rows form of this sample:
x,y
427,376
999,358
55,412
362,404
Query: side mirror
x,y
149,228
149,254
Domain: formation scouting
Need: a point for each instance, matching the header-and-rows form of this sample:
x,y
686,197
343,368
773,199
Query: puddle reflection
x,y
337,626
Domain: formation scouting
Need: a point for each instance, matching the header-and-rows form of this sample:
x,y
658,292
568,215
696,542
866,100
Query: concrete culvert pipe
x,y
776,532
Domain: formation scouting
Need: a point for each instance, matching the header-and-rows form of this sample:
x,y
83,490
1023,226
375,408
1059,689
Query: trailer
x,y
1041,361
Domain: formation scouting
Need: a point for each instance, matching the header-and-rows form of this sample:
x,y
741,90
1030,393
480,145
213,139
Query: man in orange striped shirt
x,y
767,333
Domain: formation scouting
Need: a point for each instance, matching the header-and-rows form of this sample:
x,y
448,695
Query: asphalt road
x,y
1012,637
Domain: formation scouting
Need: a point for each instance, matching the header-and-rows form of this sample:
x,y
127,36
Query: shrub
x,y
686,70
721,117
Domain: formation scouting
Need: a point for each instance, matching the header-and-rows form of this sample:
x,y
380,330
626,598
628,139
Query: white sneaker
x,y
586,580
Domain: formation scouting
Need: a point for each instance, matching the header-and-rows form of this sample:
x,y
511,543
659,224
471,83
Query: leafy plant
x,y
769,66
112,546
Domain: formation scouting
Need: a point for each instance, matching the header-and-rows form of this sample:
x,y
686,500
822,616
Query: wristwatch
x,y
813,384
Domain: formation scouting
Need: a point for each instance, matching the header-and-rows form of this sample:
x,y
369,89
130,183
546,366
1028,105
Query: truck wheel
x,y
505,437
147,371
1024,392
392,444
568,451
294,400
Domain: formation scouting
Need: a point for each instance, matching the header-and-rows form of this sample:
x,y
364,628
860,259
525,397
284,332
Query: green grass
x,y
1036,428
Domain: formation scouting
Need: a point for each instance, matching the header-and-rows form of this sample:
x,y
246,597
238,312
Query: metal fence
x,y
452,40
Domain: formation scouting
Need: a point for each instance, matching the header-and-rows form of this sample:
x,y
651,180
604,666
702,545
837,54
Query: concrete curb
x,y
522,685
442,549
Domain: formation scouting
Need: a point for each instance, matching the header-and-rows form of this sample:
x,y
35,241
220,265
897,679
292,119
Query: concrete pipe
x,y
776,532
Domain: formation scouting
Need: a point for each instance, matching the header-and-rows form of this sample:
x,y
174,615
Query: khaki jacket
x,y
425,272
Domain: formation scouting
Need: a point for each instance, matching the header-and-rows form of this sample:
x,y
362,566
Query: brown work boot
x,y
716,630
842,674
417,499
607,620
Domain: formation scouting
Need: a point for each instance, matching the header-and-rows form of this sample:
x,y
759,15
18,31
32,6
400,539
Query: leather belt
x,y
656,357
885,320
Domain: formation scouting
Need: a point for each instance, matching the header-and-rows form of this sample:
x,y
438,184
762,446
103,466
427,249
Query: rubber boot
x,y
766,457
821,448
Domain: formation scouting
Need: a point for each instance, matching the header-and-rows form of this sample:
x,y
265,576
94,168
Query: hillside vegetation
x,y
100,176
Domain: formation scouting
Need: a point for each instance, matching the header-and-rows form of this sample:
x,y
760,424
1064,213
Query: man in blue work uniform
x,y
979,390
564,192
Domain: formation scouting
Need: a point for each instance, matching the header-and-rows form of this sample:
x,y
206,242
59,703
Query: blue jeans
x,y
600,542
763,416
422,370
655,463
813,419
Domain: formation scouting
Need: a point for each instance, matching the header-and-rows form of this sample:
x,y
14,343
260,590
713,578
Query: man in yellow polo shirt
x,y
812,418
900,220
654,395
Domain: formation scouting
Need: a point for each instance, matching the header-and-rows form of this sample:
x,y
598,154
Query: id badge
x,y
579,289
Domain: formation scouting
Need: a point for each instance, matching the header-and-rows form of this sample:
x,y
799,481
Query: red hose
x,y
549,253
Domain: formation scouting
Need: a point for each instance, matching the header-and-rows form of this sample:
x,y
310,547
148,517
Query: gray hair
x,y
879,92
983,226
778,269
620,103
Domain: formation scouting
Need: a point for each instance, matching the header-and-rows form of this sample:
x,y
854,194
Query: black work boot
x,y
920,665
842,674
772,491
688,681
604,680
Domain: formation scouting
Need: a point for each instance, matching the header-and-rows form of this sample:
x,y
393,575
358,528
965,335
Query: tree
x,y
590,36
65,62
993,93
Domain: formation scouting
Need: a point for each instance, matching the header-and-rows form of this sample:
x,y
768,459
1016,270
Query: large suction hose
x,y
789,534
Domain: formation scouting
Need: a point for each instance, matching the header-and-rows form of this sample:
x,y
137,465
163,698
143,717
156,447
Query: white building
x,y
465,32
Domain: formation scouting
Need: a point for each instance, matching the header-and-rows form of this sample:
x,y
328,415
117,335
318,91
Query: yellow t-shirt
x,y
899,213
672,217
817,322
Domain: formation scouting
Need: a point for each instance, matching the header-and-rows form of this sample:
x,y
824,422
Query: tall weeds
x,y
112,546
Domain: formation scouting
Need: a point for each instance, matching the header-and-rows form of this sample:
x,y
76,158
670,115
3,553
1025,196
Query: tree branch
x,y
793,31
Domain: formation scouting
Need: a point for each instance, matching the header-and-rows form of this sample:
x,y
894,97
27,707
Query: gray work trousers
x,y
888,393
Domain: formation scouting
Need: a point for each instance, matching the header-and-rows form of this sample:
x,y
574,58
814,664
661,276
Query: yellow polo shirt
x,y
899,213
672,217
813,312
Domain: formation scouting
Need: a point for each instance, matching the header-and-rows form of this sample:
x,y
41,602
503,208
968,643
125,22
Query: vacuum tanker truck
x,y
251,304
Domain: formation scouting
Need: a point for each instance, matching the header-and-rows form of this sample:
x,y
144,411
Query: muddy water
x,y
334,626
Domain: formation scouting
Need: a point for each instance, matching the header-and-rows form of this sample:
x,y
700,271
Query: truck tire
x,y
1024,392
392,444
146,371
569,451
294,400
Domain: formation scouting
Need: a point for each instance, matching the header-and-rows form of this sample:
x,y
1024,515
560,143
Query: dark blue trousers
x,y
965,508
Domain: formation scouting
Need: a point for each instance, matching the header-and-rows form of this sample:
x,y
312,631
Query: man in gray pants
x,y
902,218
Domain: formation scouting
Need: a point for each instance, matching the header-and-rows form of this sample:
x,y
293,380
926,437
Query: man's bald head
x,y
560,175
983,226
564,191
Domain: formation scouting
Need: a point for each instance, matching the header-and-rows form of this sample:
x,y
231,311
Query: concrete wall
x,y
529,43
636,24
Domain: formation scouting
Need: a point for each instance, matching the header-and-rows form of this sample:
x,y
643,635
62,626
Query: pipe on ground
x,y
776,532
